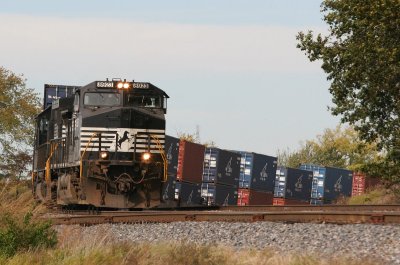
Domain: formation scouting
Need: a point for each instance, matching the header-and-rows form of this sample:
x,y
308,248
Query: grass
x,y
19,230
16,197
169,254
32,243
378,195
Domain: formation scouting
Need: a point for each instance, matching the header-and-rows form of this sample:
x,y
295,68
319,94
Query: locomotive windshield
x,y
146,101
102,99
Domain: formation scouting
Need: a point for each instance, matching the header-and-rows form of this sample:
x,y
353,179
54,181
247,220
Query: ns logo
x,y
338,185
299,184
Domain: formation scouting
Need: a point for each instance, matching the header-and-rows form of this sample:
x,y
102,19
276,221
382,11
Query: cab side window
x,y
43,130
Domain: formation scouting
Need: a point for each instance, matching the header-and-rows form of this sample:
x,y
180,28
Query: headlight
x,y
104,155
124,85
146,156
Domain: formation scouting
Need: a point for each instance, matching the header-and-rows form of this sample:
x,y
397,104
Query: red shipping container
x,y
254,197
284,201
190,162
361,183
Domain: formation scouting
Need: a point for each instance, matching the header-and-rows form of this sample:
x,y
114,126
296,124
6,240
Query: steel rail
x,y
328,207
335,217
261,208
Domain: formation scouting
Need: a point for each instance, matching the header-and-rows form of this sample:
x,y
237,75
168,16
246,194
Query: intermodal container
x,y
221,167
361,183
338,183
329,183
52,92
171,153
257,171
190,162
293,183
254,197
188,194
285,201
168,189
217,194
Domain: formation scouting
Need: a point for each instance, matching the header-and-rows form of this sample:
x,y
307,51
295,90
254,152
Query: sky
x,y
230,67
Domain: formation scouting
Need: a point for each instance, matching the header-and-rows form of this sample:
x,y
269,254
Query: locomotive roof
x,y
149,87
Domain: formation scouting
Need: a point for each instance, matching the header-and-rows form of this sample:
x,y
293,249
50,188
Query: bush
x,y
19,235
378,195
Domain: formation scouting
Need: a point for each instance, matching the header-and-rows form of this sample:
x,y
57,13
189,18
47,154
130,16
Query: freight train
x,y
101,145
104,145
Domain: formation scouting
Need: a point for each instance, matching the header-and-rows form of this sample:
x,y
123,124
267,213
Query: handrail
x,y
81,160
159,146
53,148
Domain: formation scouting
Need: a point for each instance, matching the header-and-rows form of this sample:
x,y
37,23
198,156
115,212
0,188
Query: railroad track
x,y
337,214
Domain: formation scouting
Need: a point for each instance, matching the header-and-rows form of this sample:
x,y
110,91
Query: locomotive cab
x,y
104,146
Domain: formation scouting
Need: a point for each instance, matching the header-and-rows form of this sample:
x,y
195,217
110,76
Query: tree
x,y
339,147
361,56
19,105
194,138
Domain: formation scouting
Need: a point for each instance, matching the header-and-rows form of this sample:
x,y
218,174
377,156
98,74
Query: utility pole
x,y
198,133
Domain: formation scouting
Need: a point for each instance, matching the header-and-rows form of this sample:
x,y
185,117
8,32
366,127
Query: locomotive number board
x,y
105,84
112,84
141,85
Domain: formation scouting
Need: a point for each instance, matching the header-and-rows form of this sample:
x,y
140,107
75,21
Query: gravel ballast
x,y
359,240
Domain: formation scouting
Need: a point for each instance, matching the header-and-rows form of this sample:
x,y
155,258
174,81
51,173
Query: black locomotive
x,y
101,145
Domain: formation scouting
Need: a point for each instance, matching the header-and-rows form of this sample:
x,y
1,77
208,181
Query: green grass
x,y
379,195
24,234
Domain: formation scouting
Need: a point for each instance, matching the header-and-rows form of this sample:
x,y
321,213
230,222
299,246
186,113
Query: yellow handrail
x,y
159,146
53,148
81,161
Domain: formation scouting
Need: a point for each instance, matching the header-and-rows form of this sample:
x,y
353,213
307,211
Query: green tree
x,y
194,138
339,147
18,107
190,137
361,56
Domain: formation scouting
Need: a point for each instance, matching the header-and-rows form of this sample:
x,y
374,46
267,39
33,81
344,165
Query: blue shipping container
x,y
257,171
221,167
220,195
172,152
293,183
188,194
329,183
52,92
168,189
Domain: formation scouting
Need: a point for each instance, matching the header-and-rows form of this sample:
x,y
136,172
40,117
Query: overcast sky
x,y
230,66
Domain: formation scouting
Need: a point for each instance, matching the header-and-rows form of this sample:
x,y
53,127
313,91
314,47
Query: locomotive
x,y
101,145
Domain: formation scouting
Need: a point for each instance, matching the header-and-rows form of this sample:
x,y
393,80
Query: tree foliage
x,y
18,107
361,56
194,138
339,147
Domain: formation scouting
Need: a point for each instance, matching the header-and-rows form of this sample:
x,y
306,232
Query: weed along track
x,y
372,214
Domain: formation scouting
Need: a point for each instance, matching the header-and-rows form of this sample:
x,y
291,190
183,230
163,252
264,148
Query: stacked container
x,y
257,172
254,197
221,171
292,186
361,183
256,180
190,162
171,152
53,92
329,183
185,161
